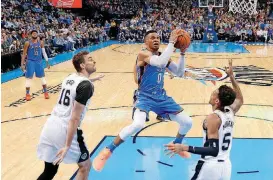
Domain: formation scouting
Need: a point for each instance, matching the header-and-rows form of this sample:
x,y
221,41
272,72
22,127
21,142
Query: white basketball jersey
x,y
63,109
225,134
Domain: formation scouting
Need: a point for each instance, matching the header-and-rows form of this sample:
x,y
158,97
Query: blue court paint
x,y
196,47
221,47
127,163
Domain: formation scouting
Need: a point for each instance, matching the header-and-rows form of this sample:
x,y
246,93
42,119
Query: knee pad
x,y
183,120
43,80
28,82
138,123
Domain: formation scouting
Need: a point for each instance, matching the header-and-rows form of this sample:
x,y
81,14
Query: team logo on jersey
x,y
70,82
84,156
228,124
214,144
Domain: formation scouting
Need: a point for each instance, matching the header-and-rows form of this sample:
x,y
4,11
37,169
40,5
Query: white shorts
x,y
53,138
212,170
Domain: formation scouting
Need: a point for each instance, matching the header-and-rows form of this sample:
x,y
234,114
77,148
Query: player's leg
x,y
49,172
207,171
40,73
138,124
226,170
46,152
177,114
84,169
30,69
185,124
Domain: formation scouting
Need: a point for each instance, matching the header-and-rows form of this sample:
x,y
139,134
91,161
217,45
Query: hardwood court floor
x,y
110,108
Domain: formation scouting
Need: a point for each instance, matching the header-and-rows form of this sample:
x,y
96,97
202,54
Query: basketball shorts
x,y
212,170
161,107
34,66
53,138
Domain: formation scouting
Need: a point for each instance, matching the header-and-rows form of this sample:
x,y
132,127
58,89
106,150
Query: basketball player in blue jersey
x,y
34,49
151,96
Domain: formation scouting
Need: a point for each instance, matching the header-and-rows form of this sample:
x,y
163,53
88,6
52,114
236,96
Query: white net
x,y
245,7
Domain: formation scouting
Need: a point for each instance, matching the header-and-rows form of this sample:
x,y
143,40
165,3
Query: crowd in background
x,y
168,15
63,30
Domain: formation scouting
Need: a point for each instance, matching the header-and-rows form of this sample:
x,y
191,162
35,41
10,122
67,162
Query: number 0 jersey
x,y
151,81
74,88
225,134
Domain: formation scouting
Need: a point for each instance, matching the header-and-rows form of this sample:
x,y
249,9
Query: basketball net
x,y
65,3
245,7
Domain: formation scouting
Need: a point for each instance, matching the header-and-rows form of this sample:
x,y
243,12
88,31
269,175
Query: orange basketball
x,y
183,41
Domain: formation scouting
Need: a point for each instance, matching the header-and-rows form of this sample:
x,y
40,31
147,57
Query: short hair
x,y
34,30
226,95
149,32
78,59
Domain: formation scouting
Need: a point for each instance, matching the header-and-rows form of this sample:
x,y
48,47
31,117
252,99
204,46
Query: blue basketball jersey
x,y
151,81
34,52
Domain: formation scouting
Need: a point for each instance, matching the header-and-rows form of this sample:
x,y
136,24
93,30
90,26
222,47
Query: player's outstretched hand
x,y
229,70
174,35
60,156
172,149
98,78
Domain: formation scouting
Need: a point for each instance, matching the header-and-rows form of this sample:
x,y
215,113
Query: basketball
x,y
183,41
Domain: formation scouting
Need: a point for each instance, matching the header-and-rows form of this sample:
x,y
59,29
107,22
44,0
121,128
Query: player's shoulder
x,y
143,54
27,43
213,118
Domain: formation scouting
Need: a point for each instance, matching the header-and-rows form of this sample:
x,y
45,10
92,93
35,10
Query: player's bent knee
x,y
85,166
183,119
139,126
139,119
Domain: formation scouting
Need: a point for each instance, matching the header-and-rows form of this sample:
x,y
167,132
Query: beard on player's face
x,y
34,37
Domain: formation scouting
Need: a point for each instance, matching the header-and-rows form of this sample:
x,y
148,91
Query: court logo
x,y
50,89
253,75
207,73
249,75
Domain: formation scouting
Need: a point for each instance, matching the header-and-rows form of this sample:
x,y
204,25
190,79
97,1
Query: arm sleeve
x,y
211,150
162,60
177,69
44,54
84,92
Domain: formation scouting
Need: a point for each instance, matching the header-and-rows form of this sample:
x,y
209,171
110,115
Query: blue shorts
x,y
160,107
34,66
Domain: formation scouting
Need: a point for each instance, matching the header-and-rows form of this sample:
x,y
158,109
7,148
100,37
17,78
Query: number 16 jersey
x,y
225,133
74,88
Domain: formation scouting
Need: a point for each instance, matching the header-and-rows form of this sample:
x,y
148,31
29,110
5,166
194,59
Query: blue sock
x,y
179,140
27,91
112,147
44,88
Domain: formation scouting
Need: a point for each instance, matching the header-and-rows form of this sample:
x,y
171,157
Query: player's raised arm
x,y
162,60
178,69
239,96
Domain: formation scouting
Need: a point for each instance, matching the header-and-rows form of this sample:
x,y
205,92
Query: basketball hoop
x,y
245,7
65,3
